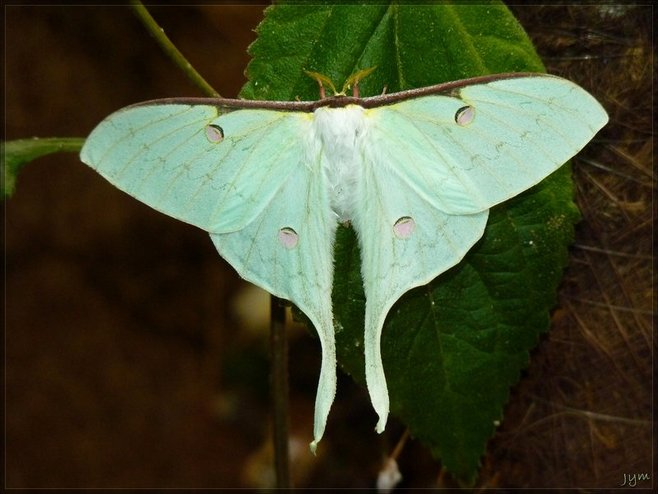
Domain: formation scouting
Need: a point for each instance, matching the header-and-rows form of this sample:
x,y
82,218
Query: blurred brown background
x,y
131,361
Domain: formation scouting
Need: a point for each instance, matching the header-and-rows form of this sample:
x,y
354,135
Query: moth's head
x,y
352,82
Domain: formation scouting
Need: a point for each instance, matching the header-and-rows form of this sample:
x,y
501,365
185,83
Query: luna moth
x,y
414,173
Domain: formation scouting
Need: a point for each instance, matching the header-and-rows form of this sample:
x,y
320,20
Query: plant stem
x,y
398,447
279,377
19,152
170,49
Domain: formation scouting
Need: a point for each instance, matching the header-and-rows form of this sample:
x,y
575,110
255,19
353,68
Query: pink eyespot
x,y
404,227
288,237
465,115
214,133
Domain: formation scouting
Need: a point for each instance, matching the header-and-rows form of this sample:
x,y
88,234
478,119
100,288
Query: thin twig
x,y
400,445
279,377
170,49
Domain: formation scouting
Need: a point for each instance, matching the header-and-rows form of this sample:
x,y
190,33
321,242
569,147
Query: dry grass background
x,y
128,364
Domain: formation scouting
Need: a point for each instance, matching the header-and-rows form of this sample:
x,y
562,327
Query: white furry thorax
x,y
340,133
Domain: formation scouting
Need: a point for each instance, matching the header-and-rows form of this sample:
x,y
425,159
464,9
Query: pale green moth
x,y
414,173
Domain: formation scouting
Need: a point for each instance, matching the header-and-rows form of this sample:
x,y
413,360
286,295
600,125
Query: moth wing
x,y
516,133
214,170
432,168
251,179
405,242
288,250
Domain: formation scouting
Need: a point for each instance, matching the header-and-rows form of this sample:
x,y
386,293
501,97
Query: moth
x,y
414,173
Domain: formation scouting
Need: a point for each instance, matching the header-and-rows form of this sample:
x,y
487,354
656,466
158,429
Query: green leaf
x,y
17,153
453,348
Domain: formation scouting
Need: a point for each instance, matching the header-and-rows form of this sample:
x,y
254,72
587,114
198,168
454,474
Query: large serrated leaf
x,y
453,348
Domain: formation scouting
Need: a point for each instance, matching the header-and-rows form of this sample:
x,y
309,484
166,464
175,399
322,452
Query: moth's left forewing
x,y
486,142
553,115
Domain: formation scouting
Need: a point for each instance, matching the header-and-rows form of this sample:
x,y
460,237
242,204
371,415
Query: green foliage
x,y
17,153
451,349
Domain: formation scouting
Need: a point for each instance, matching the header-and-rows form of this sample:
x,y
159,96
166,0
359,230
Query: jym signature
x,y
631,479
